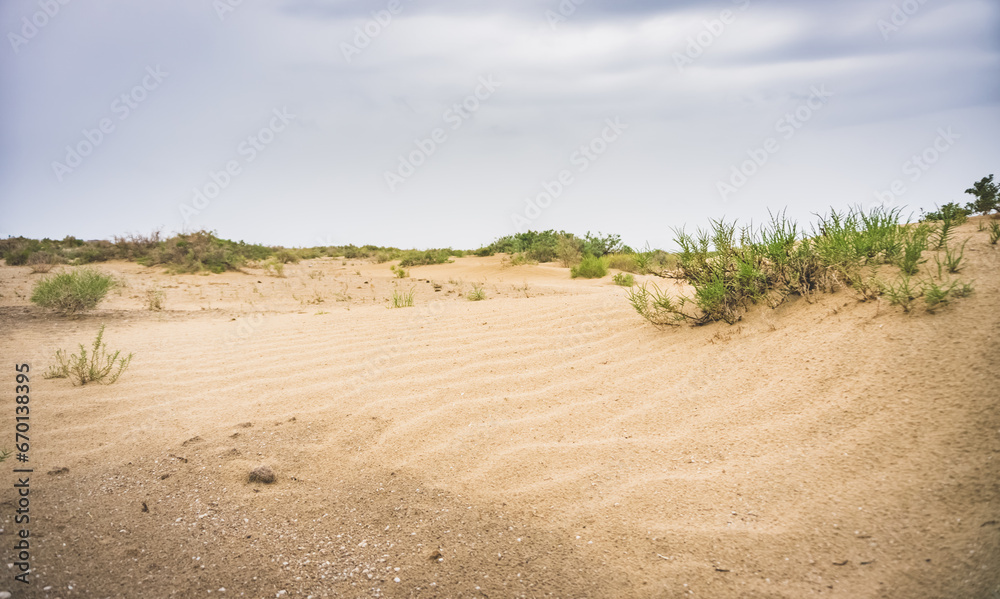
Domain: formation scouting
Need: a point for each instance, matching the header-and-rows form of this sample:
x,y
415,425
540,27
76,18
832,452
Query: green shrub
x,y
985,191
399,271
601,245
569,250
17,257
73,291
542,246
286,256
592,267
625,262
624,279
732,269
950,211
994,232
100,367
426,257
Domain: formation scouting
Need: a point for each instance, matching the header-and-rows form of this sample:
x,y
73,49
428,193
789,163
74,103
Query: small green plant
x,y
994,232
402,300
592,267
154,299
914,244
400,272
100,367
73,291
936,296
656,306
4,454
624,279
952,259
902,293
477,294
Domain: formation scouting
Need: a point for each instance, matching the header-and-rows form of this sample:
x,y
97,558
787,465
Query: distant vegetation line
x,y
203,251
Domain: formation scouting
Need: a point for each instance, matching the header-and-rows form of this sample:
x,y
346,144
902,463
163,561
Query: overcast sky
x,y
427,123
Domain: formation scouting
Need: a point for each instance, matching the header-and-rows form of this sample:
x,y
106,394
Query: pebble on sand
x,y
262,473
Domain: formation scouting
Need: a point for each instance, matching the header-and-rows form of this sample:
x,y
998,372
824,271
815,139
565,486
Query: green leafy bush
x,y
73,291
592,267
624,279
985,191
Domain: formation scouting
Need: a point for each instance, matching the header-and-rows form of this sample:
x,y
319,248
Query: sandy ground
x,y
546,442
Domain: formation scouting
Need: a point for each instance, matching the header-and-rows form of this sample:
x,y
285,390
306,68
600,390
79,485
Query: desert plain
x,y
544,442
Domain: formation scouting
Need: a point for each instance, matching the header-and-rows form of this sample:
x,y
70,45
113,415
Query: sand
x,y
546,442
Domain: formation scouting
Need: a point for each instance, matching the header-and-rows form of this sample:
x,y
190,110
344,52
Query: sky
x,y
447,123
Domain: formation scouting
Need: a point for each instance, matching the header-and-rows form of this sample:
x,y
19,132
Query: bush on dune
x,y
592,267
73,291
731,270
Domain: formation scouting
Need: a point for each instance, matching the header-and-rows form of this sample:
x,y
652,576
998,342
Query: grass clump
x,y
73,291
477,294
994,232
400,272
42,262
592,267
154,300
402,300
100,366
624,279
731,269
915,241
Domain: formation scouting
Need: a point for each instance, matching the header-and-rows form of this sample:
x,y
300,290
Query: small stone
x,y
263,474
4,595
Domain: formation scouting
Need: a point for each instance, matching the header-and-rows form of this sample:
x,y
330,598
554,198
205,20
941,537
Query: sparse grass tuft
x,y
477,294
100,367
994,232
902,293
402,300
952,259
73,291
154,299
400,272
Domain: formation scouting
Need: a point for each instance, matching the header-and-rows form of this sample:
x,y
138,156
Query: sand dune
x,y
546,442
